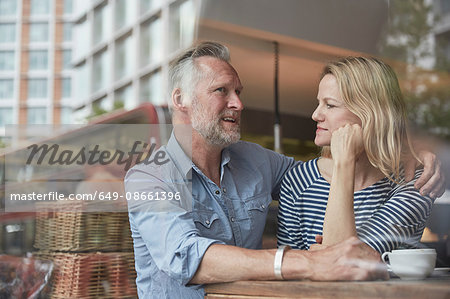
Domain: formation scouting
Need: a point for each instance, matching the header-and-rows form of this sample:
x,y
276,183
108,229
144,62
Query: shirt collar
x,y
225,159
184,162
178,156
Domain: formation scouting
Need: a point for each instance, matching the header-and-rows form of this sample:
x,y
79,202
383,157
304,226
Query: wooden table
x,y
434,288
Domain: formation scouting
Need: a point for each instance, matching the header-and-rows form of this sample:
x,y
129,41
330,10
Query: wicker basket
x,y
73,241
77,231
92,275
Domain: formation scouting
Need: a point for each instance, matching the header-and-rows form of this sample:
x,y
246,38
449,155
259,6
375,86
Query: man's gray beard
x,y
210,129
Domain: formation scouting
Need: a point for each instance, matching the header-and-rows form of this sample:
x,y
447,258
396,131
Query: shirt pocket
x,y
256,208
209,224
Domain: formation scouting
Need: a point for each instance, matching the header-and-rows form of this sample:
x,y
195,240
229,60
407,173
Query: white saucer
x,y
441,272
437,272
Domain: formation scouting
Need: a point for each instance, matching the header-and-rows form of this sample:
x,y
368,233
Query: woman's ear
x,y
177,100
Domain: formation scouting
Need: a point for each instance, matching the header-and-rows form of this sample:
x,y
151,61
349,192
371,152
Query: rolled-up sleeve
x,y
166,227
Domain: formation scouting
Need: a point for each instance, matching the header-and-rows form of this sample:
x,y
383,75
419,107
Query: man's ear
x,y
177,100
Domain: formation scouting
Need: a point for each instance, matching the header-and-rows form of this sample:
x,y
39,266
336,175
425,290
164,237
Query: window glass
x,y
38,60
124,62
67,59
8,7
38,32
121,13
67,32
81,84
37,88
101,71
147,5
6,116
151,89
36,115
66,87
82,36
101,24
68,6
151,42
6,88
124,97
66,115
6,60
7,33
40,7
182,25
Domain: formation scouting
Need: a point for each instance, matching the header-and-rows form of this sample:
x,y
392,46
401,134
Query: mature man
x,y
211,234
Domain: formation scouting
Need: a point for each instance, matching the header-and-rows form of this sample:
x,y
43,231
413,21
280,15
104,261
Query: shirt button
x,y
232,219
207,222
224,190
217,192
263,206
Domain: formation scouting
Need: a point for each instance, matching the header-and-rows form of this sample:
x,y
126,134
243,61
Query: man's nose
x,y
235,102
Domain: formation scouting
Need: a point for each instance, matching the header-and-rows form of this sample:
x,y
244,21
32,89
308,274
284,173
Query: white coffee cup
x,y
411,264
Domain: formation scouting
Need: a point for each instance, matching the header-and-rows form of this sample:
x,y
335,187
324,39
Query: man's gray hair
x,y
184,72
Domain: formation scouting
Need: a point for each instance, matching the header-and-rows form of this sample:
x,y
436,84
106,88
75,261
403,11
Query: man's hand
x,y
349,260
432,180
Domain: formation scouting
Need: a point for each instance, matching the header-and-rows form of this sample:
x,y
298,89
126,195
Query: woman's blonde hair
x,y
371,91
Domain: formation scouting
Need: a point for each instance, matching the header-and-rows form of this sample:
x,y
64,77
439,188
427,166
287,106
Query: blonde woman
x,y
357,186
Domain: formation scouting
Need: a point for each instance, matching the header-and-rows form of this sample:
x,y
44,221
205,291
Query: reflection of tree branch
x,y
407,41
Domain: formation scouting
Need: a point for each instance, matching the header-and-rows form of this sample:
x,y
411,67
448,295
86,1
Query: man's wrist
x,y
278,261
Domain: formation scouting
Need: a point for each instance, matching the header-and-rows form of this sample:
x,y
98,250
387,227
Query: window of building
x,y
38,60
151,42
102,24
66,115
8,7
147,5
6,88
6,116
182,25
7,33
6,60
38,32
68,6
124,97
66,87
82,36
151,89
81,83
101,105
37,115
81,6
67,32
124,62
125,13
80,115
40,7
67,59
37,88
101,71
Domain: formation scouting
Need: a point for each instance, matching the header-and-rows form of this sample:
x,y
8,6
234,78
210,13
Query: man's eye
x,y
221,89
238,92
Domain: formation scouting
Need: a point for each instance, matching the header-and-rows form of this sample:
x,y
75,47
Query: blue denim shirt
x,y
171,237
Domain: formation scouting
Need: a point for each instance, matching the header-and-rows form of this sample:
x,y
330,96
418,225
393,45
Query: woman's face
x,y
331,113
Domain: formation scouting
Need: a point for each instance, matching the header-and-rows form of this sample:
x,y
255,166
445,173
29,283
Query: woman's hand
x,y
318,245
347,143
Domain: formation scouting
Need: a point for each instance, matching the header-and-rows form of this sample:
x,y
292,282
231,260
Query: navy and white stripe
x,y
387,215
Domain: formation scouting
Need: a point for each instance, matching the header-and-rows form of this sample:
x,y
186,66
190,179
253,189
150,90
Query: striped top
x,y
387,215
